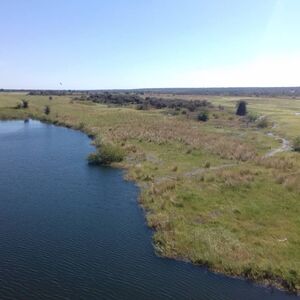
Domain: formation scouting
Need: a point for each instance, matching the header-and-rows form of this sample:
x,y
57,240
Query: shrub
x,y
94,158
81,126
296,144
207,165
107,154
142,106
25,104
252,117
203,116
18,106
47,110
174,169
241,109
263,123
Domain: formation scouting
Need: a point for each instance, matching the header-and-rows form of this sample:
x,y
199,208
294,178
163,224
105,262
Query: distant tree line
x,y
248,92
141,103
51,93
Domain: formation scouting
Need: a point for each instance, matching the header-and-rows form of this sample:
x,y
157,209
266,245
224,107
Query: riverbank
x,y
229,219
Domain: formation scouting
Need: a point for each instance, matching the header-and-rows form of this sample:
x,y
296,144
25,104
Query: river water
x,y
72,231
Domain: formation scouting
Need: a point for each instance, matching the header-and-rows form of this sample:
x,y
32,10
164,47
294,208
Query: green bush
x,y
142,106
47,110
18,106
107,154
296,144
263,123
252,117
207,165
203,116
25,104
22,104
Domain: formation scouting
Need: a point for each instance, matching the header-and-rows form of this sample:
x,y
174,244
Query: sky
x,y
116,44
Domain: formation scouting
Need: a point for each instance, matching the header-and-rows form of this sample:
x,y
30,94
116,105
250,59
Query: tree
x,y
241,108
47,110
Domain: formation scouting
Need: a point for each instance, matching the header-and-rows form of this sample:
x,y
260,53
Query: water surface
x,y
71,231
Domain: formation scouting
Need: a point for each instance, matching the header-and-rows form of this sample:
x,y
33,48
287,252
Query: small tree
x,y
203,116
25,104
47,110
241,109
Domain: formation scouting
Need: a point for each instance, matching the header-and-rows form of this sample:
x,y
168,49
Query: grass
x,y
208,189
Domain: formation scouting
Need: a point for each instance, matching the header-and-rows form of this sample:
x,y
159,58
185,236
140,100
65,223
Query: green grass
x,y
208,190
282,112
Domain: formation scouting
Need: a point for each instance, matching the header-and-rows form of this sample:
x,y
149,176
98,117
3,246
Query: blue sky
x,y
95,44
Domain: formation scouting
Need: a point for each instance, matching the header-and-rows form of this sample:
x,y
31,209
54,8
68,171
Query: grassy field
x,y
209,190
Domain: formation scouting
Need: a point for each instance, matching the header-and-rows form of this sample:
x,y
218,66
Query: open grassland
x,y
284,112
209,190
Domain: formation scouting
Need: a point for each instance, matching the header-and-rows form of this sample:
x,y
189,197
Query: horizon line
x,y
153,88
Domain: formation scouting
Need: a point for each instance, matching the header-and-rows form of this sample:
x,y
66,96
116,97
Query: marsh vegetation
x,y
209,190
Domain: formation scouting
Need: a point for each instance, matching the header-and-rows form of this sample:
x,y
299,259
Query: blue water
x,y
72,231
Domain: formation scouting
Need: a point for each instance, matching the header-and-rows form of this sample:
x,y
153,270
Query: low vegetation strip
x,y
209,191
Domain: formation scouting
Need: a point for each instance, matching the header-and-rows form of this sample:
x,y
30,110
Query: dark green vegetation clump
x,y
203,116
47,110
106,155
252,117
241,109
263,123
125,99
296,144
23,104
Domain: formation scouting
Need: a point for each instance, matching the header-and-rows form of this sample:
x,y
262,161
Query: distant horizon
x,y
153,88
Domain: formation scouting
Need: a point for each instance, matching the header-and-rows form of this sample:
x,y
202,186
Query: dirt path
x,y
285,145
200,171
195,172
